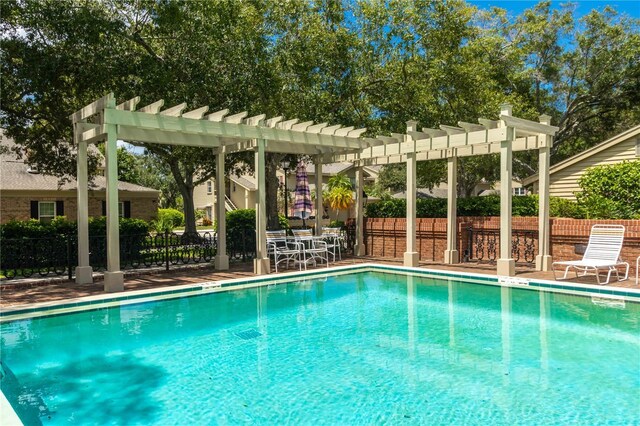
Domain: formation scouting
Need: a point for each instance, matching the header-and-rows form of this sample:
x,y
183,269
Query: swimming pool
x,y
364,347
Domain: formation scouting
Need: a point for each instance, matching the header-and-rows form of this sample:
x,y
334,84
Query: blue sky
x,y
515,7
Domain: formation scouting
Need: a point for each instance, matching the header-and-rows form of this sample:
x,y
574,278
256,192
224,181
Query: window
x,y
46,211
520,191
209,187
124,208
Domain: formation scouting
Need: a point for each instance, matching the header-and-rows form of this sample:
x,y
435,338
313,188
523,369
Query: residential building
x,y
564,176
27,194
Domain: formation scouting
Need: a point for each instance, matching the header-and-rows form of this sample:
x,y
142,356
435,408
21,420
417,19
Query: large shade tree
x,y
360,63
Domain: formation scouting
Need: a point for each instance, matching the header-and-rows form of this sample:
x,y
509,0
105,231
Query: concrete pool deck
x,y
25,292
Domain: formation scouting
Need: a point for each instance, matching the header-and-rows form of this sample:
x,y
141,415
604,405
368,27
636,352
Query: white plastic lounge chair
x,y
603,252
283,250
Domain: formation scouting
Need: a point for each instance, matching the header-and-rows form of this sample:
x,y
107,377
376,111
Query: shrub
x,y
128,226
336,224
561,207
163,224
175,216
479,206
26,229
206,222
431,207
611,191
241,219
284,222
61,226
524,205
475,206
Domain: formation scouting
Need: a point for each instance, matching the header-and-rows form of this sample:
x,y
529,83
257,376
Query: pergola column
x,y
506,264
261,262
113,277
543,259
221,261
451,253
319,207
359,249
84,272
411,255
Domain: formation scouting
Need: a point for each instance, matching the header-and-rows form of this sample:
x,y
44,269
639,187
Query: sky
x,y
515,7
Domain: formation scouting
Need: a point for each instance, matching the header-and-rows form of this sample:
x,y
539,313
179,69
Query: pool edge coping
x,y
138,296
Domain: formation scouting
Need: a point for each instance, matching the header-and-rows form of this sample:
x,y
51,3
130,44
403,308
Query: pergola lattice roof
x,y
236,132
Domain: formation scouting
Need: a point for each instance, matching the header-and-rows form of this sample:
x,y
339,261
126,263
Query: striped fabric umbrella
x,y
302,206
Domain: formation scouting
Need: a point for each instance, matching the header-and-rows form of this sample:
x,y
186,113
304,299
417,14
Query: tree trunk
x,y
185,186
189,209
272,161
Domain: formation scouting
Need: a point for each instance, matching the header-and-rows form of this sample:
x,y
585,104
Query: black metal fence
x,y
58,255
483,245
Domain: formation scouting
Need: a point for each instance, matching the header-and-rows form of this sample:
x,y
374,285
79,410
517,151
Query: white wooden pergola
x,y
469,139
106,121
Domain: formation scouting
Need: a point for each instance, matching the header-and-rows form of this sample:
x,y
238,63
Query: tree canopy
x,y
359,63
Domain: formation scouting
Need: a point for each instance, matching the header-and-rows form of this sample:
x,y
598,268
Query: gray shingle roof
x,y
329,169
15,175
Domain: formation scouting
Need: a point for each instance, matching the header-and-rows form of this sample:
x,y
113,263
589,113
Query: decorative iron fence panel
x,y
58,255
483,245
350,237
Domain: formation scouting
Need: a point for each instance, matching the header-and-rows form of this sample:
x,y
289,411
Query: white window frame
x,y
120,208
209,187
520,191
47,218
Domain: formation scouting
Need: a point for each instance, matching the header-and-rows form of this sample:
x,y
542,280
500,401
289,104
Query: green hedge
x,y
175,216
246,219
60,225
474,206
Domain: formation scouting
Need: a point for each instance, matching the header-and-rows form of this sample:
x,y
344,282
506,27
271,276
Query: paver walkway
x,y
13,294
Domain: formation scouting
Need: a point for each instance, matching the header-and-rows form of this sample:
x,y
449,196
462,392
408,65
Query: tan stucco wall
x,y
564,183
18,206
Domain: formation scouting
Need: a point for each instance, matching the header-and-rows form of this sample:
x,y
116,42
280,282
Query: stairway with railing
x,y
228,204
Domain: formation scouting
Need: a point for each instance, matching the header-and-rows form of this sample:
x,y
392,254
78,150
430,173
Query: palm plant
x,y
339,194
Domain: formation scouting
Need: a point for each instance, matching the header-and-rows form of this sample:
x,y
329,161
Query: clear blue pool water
x,y
364,348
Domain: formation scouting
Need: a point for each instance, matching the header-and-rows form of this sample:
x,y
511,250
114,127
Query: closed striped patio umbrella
x,y
302,207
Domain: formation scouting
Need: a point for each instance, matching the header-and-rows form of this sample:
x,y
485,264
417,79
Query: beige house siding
x,y
242,198
564,183
205,200
17,205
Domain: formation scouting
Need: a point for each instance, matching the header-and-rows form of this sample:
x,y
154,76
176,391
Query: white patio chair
x,y
283,250
333,238
602,253
314,248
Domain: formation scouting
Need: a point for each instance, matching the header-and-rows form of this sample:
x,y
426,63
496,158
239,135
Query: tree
x,y
204,53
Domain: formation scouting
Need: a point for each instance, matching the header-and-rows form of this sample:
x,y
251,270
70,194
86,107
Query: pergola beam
x,y
175,111
164,126
153,108
529,126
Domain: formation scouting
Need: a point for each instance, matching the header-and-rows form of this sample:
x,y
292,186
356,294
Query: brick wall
x,y
387,237
19,208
